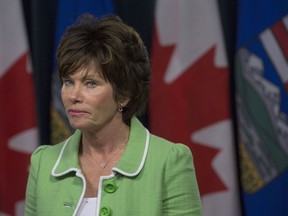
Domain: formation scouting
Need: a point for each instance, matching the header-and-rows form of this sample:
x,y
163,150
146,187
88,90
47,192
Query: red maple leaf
x,y
197,99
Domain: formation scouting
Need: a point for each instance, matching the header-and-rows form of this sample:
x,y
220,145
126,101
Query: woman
x,y
111,165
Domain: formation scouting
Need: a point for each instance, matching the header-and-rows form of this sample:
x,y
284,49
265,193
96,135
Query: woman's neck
x,y
106,140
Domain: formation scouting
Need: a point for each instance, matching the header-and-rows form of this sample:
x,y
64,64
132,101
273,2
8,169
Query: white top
x,y
88,207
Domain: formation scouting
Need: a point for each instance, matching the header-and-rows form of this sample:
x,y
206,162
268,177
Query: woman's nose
x,y
75,95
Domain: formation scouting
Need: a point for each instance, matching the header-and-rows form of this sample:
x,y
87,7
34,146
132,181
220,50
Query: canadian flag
x,y
18,132
190,96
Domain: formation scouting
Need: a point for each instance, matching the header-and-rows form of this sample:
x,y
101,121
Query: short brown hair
x,y
117,50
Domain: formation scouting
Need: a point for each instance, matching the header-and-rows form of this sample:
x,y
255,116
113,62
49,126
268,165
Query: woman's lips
x,y
75,112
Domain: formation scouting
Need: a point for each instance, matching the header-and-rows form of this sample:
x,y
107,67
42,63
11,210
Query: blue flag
x,y
69,10
261,79
67,13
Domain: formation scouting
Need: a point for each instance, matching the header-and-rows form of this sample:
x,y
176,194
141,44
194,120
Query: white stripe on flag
x,y
285,21
15,41
275,54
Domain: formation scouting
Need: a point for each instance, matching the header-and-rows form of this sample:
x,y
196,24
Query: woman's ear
x,y
122,103
125,102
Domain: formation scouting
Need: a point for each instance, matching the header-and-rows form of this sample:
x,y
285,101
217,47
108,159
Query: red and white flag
x,y
190,96
18,132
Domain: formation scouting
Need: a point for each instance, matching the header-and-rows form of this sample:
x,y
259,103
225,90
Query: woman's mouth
x,y
75,112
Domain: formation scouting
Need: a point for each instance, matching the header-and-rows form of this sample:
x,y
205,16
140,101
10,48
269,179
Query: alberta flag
x,y
18,132
262,105
190,96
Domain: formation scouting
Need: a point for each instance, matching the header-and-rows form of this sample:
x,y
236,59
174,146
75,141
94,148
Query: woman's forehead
x,y
89,72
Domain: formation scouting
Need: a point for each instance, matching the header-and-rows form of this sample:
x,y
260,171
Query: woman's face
x,y
88,100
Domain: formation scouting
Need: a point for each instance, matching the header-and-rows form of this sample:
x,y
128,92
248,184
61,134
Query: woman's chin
x,y
78,125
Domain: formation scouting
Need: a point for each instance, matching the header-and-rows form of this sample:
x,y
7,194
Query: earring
x,y
120,107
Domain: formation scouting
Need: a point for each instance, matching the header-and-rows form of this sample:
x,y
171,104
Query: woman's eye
x,y
67,82
91,84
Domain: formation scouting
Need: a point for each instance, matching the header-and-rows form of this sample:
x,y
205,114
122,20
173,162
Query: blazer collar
x,y
133,159
67,160
130,164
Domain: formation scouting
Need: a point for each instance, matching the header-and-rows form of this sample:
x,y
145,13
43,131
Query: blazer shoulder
x,y
163,145
47,151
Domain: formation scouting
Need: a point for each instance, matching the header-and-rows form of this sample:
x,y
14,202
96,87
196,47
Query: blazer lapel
x,y
135,154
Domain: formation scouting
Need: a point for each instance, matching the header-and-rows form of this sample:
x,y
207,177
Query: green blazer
x,y
154,177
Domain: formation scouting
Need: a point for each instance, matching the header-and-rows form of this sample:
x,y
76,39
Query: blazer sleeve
x,y
30,199
182,193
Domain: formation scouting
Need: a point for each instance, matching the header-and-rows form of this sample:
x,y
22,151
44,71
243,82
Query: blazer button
x,y
105,211
110,187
